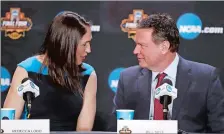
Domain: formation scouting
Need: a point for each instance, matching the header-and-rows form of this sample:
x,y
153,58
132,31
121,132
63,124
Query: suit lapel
x,y
144,88
183,81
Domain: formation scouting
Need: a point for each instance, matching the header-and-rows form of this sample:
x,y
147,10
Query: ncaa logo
x,y
169,88
5,79
20,88
189,26
114,78
32,85
158,91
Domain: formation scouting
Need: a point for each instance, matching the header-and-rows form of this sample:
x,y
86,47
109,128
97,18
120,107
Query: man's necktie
x,y
158,108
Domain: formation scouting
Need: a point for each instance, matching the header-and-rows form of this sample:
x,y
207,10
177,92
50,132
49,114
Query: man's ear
x,y
164,46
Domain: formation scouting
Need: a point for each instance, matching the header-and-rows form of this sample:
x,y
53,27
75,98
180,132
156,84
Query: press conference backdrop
x,y
200,25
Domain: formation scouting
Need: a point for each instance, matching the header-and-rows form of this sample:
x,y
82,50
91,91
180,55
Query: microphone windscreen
x,y
24,80
168,81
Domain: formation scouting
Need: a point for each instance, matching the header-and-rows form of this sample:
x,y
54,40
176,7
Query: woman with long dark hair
x,y
67,85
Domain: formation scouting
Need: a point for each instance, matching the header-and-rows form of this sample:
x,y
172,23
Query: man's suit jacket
x,y
199,106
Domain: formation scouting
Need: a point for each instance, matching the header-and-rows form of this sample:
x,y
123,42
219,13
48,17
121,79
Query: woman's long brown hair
x,y
60,45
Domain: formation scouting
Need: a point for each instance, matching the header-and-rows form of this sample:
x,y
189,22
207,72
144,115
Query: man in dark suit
x,y
199,106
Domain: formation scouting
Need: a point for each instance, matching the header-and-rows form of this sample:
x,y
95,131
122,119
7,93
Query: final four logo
x,y
125,130
129,25
15,24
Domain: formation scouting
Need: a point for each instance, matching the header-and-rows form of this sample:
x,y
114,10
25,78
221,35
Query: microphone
x,y
166,93
29,91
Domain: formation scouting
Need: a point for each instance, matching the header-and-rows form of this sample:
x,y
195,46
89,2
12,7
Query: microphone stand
x,y
165,114
166,100
28,97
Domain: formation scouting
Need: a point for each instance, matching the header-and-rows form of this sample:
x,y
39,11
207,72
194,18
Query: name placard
x,y
25,126
146,126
